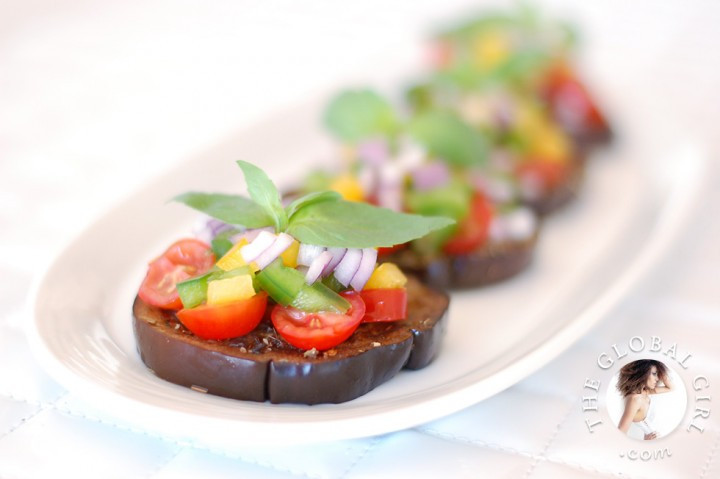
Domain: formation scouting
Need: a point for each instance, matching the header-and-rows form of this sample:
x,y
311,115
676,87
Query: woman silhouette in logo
x,y
638,381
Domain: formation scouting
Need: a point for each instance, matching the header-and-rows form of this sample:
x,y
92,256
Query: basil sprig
x,y
322,218
357,115
448,137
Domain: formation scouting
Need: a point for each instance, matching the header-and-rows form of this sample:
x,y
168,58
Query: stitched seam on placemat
x,y
517,452
711,457
20,422
543,452
181,443
165,463
255,462
585,467
474,442
369,447
32,402
25,419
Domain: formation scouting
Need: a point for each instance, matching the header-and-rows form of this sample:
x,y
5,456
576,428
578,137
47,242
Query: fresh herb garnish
x,y
232,209
358,115
310,199
264,193
359,225
318,218
446,136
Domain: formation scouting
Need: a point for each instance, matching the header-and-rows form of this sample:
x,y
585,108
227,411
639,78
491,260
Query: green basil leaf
x,y
221,244
518,67
449,138
232,209
452,201
357,115
359,225
264,193
311,198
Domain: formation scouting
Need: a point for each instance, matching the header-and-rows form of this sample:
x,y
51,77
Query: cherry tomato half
x,y
318,330
549,174
386,304
226,320
571,100
182,260
473,230
382,251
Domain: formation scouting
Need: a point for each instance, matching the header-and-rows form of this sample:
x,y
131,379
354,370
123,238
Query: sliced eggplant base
x,y
262,367
590,138
555,198
488,265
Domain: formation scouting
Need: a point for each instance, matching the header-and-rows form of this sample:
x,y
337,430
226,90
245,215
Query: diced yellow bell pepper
x,y
491,49
289,256
348,187
233,259
223,291
551,144
386,275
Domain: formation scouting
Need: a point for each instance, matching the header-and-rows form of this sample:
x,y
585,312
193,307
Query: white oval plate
x,y
589,256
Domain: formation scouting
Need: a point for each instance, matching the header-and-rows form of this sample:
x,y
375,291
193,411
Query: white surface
x,y
99,97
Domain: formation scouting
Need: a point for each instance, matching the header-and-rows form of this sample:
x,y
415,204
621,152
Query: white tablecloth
x,y
97,97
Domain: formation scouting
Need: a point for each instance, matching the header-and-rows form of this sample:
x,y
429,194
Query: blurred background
x,y
106,88
100,97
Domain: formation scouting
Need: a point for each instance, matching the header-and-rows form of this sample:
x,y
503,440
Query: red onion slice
x,y
365,270
251,251
373,152
521,224
338,254
250,235
207,229
317,266
307,253
430,176
348,266
282,243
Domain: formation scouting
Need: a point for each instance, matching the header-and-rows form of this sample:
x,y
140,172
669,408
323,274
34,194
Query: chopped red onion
x,y
208,228
250,235
411,155
365,270
373,152
307,253
389,193
317,266
521,224
498,189
282,243
338,254
390,197
251,251
348,266
368,178
518,225
430,176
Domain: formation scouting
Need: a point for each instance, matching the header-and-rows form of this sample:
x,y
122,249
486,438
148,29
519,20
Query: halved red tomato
x,y
382,251
548,173
571,100
384,304
182,260
473,230
321,330
226,320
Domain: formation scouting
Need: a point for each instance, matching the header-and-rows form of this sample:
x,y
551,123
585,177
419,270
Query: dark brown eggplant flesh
x,y
261,366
